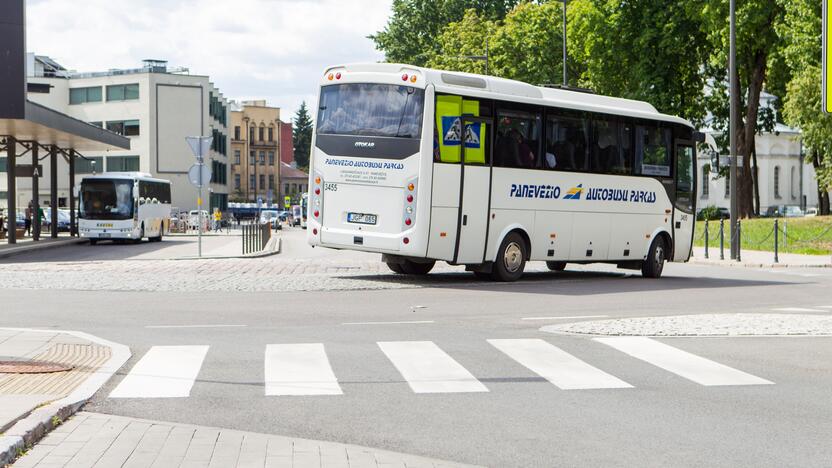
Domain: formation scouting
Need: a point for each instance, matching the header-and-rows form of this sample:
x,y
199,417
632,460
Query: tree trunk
x,y
823,195
746,131
756,180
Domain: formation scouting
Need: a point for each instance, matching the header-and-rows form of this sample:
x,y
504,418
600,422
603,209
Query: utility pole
x,y
565,79
732,70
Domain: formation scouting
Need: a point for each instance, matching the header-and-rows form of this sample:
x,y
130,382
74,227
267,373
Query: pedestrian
x,y
217,220
28,220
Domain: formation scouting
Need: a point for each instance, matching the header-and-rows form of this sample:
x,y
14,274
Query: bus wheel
x,y
395,268
556,266
93,241
654,264
413,268
511,259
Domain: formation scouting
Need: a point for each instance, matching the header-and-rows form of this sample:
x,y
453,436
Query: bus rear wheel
x,y
511,259
395,267
654,264
556,266
412,268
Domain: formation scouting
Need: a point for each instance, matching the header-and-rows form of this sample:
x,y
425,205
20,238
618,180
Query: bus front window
x,y
106,199
364,109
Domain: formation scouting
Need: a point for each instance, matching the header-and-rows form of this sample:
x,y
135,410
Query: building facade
x,y
156,108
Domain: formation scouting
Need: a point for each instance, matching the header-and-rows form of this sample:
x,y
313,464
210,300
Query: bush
x,y
709,213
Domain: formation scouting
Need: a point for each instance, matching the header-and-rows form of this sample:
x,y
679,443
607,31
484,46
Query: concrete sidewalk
x,y
761,259
103,440
47,376
27,245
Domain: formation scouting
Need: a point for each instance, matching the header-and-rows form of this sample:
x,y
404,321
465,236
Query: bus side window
x,y
652,151
566,143
518,139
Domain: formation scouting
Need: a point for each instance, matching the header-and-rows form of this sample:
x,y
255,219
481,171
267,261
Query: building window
x,y
125,92
236,156
271,158
271,133
252,156
793,183
727,186
82,95
706,173
124,127
260,132
236,132
286,189
237,181
262,158
122,164
252,182
777,182
294,188
262,181
271,182
86,166
251,133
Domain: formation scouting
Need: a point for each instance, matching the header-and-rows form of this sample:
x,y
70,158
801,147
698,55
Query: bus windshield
x,y
365,109
106,199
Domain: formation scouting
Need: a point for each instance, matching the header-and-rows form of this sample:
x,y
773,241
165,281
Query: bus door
x,y
684,208
475,190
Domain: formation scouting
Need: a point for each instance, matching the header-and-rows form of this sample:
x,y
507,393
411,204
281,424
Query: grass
x,y
809,235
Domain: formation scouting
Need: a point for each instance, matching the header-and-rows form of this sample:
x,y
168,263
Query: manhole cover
x,y
32,367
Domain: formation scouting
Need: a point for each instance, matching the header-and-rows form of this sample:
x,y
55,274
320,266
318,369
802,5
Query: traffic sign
x,y
194,175
287,201
200,146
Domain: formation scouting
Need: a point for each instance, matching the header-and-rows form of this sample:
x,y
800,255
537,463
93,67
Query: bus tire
x,y
511,259
141,235
93,241
159,237
395,267
556,266
482,275
413,268
654,264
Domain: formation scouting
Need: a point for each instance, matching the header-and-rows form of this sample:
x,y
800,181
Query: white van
x,y
193,219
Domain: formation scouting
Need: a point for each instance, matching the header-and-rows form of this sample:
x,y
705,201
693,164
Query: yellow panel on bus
x,y
449,110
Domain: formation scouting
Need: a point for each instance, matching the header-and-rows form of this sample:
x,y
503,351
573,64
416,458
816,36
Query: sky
x,y
251,49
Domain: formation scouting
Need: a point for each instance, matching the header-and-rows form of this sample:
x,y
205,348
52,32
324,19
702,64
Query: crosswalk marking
x,y
299,369
428,369
557,366
796,309
163,372
682,363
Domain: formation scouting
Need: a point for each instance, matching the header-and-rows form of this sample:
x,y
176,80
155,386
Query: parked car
x,y
812,212
787,211
193,219
266,216
63,219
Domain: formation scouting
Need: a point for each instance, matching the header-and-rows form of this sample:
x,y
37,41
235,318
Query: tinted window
x,y
364,109
567,142
652,151
518,139
106,199
605,146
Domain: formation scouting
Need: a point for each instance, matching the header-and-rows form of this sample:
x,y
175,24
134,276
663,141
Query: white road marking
x,y
405,322
565,318
557,366
428,369
163,372
196,326
826,307
299,369
682,363
797,309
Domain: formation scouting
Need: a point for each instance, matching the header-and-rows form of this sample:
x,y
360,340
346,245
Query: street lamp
x,y
732,70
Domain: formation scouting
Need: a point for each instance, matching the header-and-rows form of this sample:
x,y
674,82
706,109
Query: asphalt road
x,y
522,419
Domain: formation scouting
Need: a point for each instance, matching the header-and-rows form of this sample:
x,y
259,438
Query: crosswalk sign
x,y
287,201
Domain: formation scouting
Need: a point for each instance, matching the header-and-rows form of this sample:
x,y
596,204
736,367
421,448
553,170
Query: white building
x,y
785,178
156,107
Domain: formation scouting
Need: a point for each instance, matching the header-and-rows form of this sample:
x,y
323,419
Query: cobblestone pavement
x,y
704,325
100,440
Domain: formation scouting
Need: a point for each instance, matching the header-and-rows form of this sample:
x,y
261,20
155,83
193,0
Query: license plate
x,y
361,218
104,234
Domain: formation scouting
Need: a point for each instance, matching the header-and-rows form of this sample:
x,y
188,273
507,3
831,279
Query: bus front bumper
x,y
109,233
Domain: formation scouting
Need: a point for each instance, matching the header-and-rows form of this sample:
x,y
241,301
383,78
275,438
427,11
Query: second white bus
x,y
123,206
424,165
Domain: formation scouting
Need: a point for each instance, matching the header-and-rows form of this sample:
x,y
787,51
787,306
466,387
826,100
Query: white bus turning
x,y
123,206
424,165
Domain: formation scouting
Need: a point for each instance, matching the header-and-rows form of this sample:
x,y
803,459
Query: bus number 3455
x,y
331,187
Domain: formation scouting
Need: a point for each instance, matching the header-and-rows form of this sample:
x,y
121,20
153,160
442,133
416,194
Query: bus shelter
x,y
42,134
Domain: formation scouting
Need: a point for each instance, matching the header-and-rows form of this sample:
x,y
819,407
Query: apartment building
x,y
155,106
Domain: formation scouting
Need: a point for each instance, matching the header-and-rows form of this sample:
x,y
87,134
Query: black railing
x,y
255,237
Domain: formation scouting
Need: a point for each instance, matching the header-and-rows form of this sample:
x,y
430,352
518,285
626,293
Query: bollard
x,y
739,241
776,232
785,234
706,238
722,239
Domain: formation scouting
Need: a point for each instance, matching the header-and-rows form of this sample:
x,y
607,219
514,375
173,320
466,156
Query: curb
x,y
730,263
37,246
29,430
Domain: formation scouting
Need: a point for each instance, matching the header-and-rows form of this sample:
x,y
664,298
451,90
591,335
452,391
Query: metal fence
x,y
255,237
780,232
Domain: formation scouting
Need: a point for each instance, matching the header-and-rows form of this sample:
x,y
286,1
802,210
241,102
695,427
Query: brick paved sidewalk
x,y
102,440
47,376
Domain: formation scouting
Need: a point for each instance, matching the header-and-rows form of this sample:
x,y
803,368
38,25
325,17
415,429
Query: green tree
x,y
466,37
801,33
302,136
412,31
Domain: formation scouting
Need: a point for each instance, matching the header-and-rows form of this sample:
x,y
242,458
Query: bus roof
x,y
124,175
491,87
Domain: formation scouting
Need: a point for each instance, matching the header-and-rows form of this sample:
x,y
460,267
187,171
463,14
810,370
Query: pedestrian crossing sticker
x,y
451,131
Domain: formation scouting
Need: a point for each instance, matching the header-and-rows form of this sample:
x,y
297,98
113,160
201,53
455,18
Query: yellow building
x,y
255,152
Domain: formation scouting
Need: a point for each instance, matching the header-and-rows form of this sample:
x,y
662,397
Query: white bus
x,y
123,205
423,165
